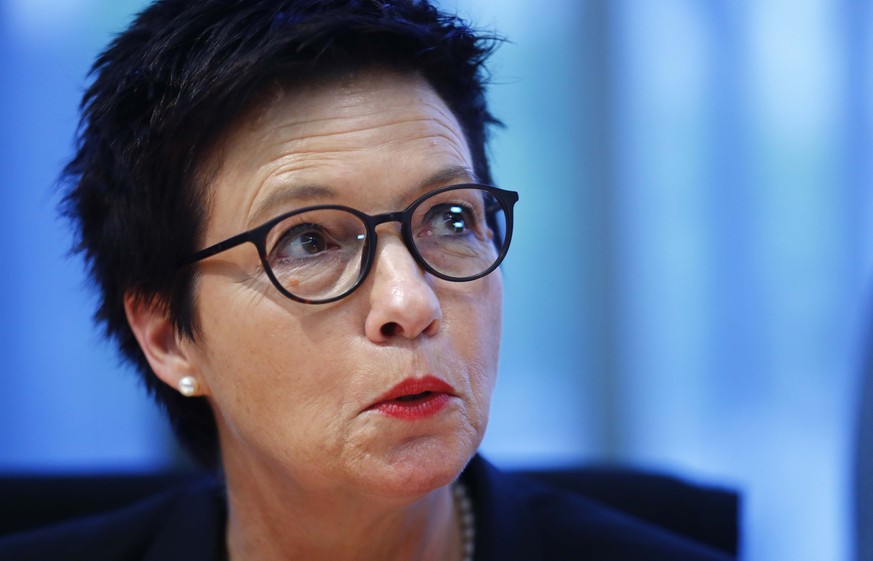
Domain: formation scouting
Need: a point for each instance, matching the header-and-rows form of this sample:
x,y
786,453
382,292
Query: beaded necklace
x,y
464,508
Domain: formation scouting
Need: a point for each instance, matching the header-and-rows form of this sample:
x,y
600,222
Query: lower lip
x,y
413,410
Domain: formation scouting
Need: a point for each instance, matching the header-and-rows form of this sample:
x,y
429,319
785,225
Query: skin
x,y
312,473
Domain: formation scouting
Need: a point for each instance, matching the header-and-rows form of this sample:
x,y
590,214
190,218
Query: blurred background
x,y
689,284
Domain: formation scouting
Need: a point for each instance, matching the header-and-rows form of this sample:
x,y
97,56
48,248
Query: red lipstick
x,y
415,398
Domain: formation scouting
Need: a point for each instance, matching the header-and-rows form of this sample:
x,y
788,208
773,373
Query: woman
x,y
287,208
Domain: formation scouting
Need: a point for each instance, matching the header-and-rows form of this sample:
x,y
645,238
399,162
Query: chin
x,y
420,467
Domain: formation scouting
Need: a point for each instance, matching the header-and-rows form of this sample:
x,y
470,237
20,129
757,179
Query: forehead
x,y
374,137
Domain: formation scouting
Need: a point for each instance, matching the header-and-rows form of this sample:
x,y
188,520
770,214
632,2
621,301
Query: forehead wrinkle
x,y
298,137
361,107
306,193
297,159
352,130
354,139
302,160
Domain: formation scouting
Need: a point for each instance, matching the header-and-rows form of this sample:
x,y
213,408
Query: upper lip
x,y
415,386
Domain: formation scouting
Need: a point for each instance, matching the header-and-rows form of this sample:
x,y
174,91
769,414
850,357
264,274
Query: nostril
x,y
389,329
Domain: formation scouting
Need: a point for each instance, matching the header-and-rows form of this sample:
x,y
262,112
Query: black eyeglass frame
x,y
258,237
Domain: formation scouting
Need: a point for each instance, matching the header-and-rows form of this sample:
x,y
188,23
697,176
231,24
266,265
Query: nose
x,y
402,300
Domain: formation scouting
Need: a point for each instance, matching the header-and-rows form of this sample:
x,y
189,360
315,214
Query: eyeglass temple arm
x,y
229,243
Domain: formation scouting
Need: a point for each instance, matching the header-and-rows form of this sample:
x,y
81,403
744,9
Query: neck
x,y
286,522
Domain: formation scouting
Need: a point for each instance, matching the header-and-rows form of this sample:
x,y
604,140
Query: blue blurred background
x,y
688,284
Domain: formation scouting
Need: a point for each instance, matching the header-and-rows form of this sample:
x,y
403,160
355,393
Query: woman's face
x,y
296,388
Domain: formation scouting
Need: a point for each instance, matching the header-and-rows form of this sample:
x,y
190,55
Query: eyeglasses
x,y
322,253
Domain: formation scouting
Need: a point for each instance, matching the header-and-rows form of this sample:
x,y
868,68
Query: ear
x,y
163,347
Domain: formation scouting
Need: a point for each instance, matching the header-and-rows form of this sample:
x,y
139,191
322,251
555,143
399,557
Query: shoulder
x,y
184,523
518,518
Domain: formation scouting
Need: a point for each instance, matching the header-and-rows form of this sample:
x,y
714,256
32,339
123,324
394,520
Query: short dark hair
x,y
166,89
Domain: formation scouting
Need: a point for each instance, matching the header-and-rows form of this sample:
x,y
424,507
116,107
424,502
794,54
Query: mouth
x,y
414,398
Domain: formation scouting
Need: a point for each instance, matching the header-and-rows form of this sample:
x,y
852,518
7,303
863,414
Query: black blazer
x,y
517,519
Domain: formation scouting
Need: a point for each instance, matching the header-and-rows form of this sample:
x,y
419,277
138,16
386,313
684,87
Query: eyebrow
x,y
297,194
448,175
306,193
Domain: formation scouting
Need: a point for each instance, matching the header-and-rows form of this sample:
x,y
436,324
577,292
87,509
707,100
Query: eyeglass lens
x,y
321,254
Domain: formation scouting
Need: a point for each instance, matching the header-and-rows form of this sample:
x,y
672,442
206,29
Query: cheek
x,y
259,363
487,316
478,334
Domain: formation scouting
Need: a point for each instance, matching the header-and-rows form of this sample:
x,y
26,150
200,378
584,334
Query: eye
x,y
455,220
450,219
302,241
312,242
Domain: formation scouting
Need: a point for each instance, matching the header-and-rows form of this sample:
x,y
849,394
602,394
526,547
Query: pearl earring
x,y
188,386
